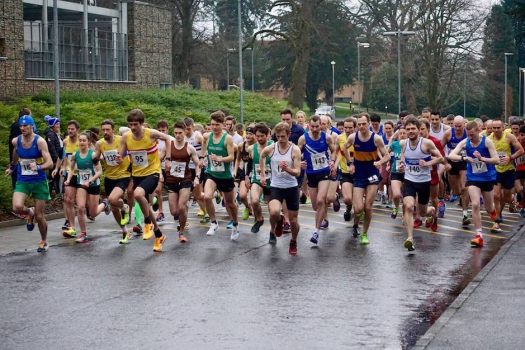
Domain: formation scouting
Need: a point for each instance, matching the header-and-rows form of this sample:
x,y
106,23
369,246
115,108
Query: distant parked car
x,y
326,110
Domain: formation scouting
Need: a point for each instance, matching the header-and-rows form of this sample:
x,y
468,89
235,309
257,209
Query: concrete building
x,y
100,48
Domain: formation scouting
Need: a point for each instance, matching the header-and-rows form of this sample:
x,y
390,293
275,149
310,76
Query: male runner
x,y
243,156
195,139
163,127
70,192
437,130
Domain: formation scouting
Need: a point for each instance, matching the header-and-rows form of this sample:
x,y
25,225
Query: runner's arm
x,y
48,162
434,151
513,141
296,158
454,154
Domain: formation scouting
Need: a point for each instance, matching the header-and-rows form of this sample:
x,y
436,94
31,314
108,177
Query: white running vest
x,y
413,171
191,141
280,178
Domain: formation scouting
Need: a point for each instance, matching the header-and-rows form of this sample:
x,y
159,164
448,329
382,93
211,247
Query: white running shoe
x,y
213,229
235,233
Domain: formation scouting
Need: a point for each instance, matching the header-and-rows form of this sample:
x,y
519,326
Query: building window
x,y
2,49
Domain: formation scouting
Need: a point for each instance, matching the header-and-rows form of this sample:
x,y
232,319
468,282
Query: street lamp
x,y
507,54
240,60
228,68
333,83
399,33
365,45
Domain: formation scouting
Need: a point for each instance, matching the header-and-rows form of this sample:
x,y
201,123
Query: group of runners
x,y
413,165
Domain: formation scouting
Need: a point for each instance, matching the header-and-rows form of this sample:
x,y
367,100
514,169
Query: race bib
x,y
478,166
84,175
178,169
216,166
140,159
25,164
281,171
258,173
110,157
319,161
520,160
373,179
502,154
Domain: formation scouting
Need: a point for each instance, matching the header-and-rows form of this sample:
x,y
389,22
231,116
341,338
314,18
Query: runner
x,y
253,182
318,156
437,130
179,179
141,143
367,146
417,158
285,160
71,145
520,173
481,174
332,196
88,184
218,145
117,176
194,138
163,127
243,157
300,119
31,159
397,177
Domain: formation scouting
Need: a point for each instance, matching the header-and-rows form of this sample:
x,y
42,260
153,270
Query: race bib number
x,y
416,169
84,175
216,166
140,159
281,171
178,169
502,154
373,179
319,161
25,164
258,173
478,166
110,157
520,160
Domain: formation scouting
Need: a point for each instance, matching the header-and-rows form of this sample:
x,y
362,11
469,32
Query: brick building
x,y
100,48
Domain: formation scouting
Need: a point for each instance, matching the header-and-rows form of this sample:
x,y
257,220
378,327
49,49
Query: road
x,y
211,293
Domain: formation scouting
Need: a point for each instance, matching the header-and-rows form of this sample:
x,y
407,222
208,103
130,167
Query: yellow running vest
x,y
342,141
70,149
144,154
113,170
503,148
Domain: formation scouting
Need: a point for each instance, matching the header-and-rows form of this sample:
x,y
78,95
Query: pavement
x,y
211,293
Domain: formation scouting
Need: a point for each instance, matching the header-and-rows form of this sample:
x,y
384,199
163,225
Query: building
x,y
106,46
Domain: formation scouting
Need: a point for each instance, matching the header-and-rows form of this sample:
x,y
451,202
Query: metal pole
x,y
523,97
253,75
333,84
505,97
358,79
519,93
464,94
56,66
228,71
398,72
240,60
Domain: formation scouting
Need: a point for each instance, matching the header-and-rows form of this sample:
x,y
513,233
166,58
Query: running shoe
x,y
148,232
42,247
418,223
347,214
428,221
302,200
246,214
66,225
315,237
30,221
466,220
441,208
389,204
361,216
434,225
125,238
308,201
519,197
378,196
384,198
182,237
235,233
337,204
394,212
107,208
213,229
90,218
217,197
230,225
287,228
124,215
279,227
200,213
160,217
355,231
83,238
137,229
293,248
500,219
157,246
494,214
512,207
238,197
205,219
176,218
69,233
409,244
447,197
477,242
522,212
324,225
453,198
273,239
257,225
495,228
193,203
415,210
222,203
364,239
155,205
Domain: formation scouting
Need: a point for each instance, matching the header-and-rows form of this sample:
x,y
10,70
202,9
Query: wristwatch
x,y
167,158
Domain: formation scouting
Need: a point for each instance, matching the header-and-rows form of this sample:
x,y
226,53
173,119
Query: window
x,y
2,49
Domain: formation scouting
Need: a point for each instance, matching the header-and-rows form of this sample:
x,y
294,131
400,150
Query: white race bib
x,y
415,169
216,166
258,173
110,157
84,175
25,164
140,158
319,161
281,171
478,166
520,160
178,169
502,154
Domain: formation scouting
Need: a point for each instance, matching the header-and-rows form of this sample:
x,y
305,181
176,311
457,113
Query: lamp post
x,y
465,94
333,83
56,54
228,68
365,45
399,33
253,88
240,61
507,54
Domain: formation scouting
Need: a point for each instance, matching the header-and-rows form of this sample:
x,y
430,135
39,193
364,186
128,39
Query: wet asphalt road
x,y
211,293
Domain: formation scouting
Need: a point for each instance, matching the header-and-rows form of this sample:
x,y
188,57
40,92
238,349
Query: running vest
x,y
503,149
380,132
342,163
180,170
365,154
86,168
256,177
395,156
478,170
69,150
520,162
413,171
26,156
454,141
113,170
316,154
192,140
280,178
439,134
144,154
217,169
